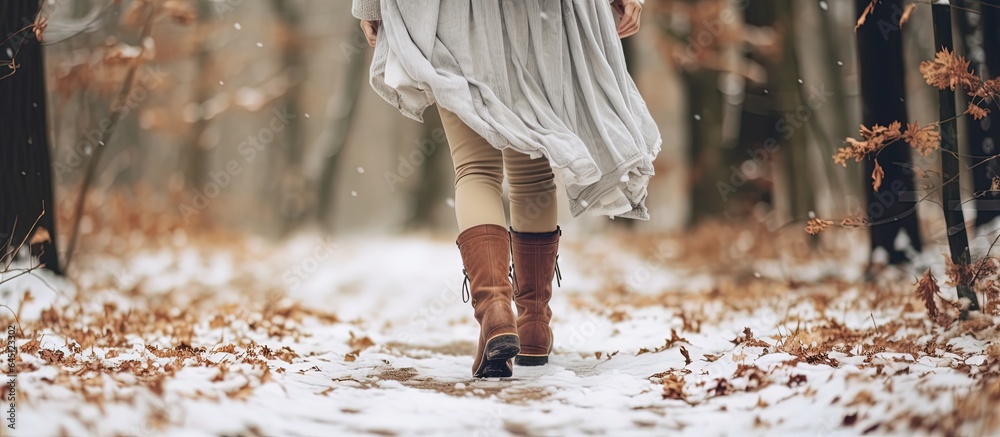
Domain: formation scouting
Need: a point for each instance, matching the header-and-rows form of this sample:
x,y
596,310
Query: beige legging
x,y
479,169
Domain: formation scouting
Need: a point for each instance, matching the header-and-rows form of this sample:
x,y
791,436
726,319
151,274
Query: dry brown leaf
x,y
949,70
360,343
877,176
854,221
927,289
977,112
817,225
906,14
924,140
673,387
41,235
687,356
864,14
874,139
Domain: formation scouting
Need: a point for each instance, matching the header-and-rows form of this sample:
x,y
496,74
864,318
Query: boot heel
x,y
497,356
529,360
503,347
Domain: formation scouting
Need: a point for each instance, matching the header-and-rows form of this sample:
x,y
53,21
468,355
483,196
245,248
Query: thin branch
x,y
116,116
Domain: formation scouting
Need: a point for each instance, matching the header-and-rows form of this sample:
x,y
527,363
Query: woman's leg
x,y
484,244
533,205
478,174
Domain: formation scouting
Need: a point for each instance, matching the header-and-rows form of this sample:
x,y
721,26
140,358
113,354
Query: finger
x,y
635,16
626,21
369,32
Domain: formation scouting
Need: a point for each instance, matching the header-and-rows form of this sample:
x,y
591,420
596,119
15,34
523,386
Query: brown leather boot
x,y
486,259
535,264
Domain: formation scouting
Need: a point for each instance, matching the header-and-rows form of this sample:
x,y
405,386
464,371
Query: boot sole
x,y
496,357
531,360
535,360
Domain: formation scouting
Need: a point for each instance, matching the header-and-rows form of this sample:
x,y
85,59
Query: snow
x,y
396,358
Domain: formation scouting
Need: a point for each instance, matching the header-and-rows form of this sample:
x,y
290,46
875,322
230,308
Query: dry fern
x,y
949,70
817,225
924,140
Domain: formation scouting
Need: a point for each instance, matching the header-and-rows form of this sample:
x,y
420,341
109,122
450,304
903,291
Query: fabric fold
x,y
544,78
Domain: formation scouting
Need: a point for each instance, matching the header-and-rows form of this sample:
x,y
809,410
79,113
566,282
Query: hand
x,y
371,29
630,11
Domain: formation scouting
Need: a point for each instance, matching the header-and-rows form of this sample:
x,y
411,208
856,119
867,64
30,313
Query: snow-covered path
x,y
324,336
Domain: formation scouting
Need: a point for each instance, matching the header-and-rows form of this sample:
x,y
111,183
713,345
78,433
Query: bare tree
x,y
880,61
25,168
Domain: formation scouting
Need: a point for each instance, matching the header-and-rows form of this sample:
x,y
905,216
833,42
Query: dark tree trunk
x,y
758,119
985,134
25,172
880,58
705,103
951,195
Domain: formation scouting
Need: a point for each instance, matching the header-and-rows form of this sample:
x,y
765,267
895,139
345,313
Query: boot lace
x,y
558,273
465,288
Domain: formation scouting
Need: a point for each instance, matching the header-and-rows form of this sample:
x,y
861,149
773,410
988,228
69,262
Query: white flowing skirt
x,y
543,77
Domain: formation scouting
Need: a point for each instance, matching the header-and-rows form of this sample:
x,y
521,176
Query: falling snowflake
x,y
697,117
260,44
450,202
354,194
823,6
361,170
237,26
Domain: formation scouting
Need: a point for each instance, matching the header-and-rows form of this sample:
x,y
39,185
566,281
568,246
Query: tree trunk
x,y
25,168
340,113
705,104
880,60
792,129
196,165
987,130
296,198
951,195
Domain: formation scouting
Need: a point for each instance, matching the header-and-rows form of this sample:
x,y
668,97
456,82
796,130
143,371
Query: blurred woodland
x,y
155,116
202,168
